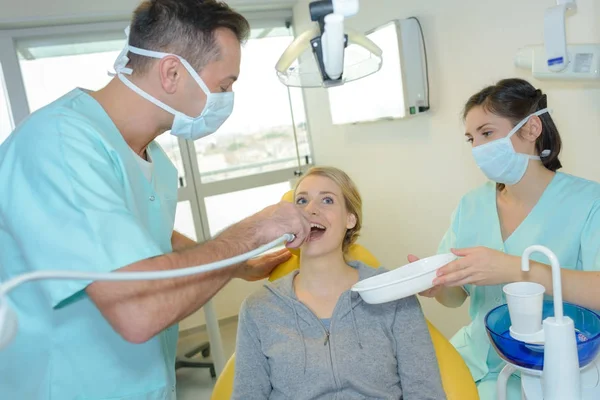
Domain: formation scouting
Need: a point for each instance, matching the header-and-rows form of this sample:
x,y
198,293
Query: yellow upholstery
x,y
456,377
355,252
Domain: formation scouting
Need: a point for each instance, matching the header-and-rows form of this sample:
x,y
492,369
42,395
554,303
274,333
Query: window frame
x,y
193,189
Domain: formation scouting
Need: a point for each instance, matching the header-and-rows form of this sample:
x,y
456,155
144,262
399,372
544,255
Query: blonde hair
x,y
352,199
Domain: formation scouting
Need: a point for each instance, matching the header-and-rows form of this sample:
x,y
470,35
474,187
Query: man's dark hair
x,y
182,27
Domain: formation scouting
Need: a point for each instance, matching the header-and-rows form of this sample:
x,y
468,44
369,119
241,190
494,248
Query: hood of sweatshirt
x,y
283,288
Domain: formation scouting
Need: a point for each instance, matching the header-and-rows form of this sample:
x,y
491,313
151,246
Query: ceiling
x,y
256,5
32,13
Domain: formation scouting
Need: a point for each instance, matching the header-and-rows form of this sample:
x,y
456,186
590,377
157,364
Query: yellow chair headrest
x,y
355,252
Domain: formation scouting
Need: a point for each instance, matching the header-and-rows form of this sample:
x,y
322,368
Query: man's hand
x,y
281,218
261,267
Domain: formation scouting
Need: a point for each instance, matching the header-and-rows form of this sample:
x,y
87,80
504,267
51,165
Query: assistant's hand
x,y
281,218
480,266
261,267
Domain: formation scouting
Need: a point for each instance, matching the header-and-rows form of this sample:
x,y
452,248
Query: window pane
x,y
226,209
52,70
363,100
259,136
170,145
184,220
304,150
6,123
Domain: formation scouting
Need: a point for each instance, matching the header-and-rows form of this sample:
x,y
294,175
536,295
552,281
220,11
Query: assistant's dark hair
x,y
182,27
515,99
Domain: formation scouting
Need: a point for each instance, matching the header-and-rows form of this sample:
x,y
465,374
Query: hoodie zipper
x,y
327,341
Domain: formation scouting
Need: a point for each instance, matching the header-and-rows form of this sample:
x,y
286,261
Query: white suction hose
x,y
8,318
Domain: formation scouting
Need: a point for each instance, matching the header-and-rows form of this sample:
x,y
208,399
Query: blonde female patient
x,y
307,336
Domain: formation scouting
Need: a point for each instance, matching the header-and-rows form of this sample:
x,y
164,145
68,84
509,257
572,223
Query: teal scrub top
x,y
566,220
74,198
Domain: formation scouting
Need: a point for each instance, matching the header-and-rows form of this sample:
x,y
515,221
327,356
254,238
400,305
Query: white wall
x,y
412,173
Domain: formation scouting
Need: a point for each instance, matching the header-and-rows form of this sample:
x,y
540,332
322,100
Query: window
x,y
266,136
223,178
267,129
52,70
184,220
226,209
6,123
374,103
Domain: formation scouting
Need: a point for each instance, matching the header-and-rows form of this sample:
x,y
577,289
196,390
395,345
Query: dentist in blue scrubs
x,y
516,144
84,187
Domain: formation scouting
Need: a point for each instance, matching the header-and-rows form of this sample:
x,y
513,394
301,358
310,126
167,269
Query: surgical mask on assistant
x,y
499,160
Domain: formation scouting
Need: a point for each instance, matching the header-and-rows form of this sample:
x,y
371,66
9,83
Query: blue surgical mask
x,y
217,109
500,162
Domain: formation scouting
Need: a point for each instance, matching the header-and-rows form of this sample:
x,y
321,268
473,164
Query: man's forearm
x,y
138,310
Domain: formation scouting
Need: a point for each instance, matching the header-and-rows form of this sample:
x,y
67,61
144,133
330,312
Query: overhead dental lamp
x,y
329,54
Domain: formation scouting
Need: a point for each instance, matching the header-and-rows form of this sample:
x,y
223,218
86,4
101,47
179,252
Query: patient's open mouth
x,y
316,231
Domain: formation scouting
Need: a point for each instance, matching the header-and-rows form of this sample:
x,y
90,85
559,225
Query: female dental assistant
x,y
516,145
85,187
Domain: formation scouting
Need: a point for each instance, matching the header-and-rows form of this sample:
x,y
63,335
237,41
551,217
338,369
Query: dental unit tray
x,y
553,345
402,282
531,355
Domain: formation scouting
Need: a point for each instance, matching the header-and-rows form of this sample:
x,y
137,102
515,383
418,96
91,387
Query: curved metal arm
x,y
302,42
363,41
556,279
295,49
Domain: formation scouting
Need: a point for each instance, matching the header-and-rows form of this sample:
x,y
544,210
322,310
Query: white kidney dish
x,y
402,282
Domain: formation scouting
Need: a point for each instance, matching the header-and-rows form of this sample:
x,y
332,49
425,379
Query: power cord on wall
x,y
421,109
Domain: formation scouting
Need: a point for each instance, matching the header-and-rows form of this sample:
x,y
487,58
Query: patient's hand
x,y
261,267
432,292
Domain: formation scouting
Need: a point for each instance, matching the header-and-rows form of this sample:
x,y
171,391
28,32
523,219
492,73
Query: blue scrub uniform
x,y
566,219
73,197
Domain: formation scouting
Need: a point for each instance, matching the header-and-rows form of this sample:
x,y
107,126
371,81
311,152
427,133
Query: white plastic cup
x,y
525,301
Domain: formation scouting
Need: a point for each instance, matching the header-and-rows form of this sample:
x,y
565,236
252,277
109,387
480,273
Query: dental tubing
x,y
6,287
8,317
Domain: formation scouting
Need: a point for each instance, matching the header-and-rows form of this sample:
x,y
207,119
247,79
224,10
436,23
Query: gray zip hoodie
x,y
368,351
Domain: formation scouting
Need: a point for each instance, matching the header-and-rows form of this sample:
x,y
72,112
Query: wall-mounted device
x,y
583,65
556,59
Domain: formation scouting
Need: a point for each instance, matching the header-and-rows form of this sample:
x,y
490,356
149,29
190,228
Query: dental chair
x,y
456,378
